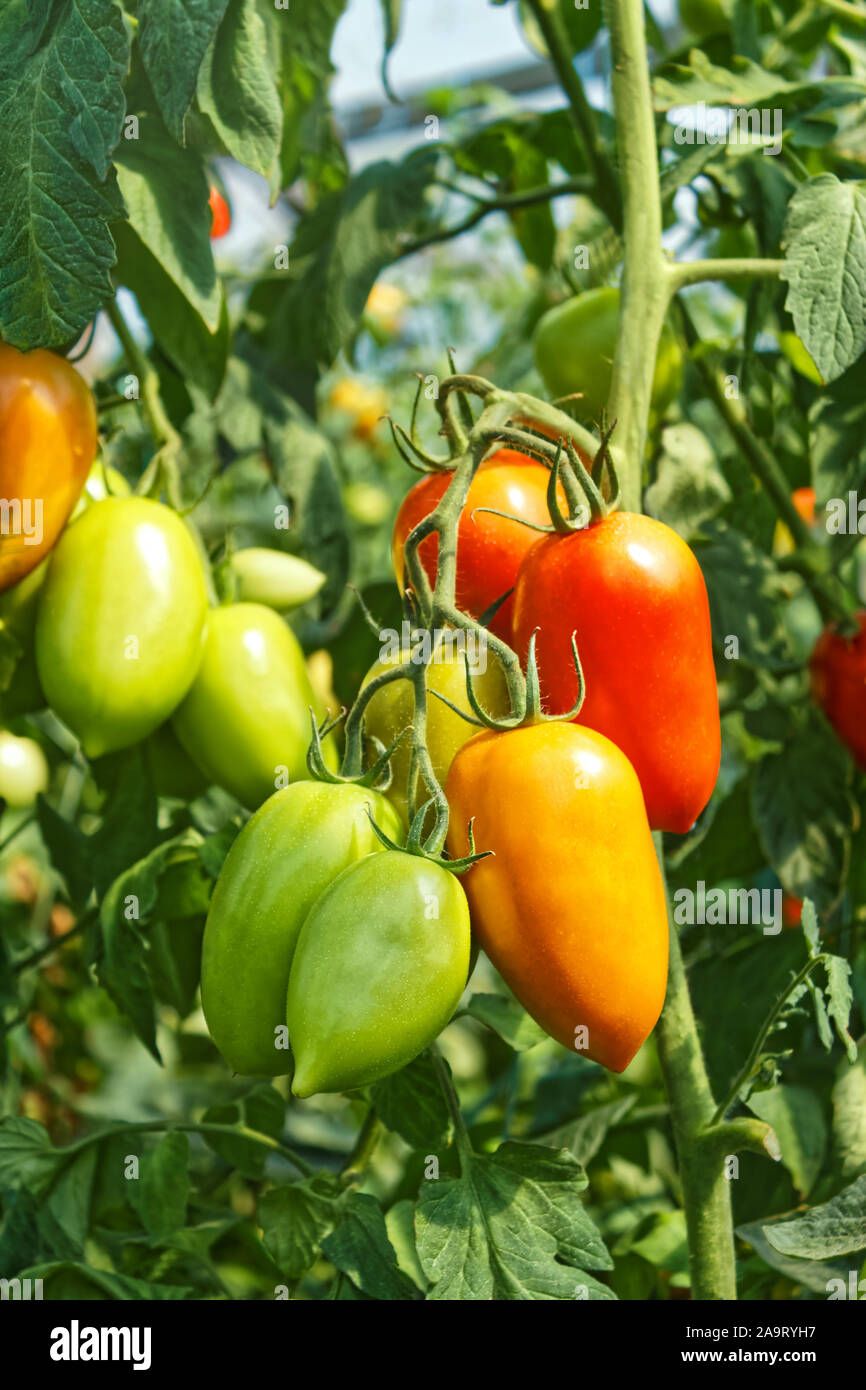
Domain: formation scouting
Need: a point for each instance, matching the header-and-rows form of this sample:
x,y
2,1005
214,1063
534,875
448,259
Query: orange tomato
x,y
48,436
570,907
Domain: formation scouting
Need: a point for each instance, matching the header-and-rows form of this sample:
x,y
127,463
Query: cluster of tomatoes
x,y
330,948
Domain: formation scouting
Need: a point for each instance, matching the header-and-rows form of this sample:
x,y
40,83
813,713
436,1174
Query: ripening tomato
x,y
120,622
47,444
489,548
804,502
570,907
221,218
392,708
838,669
792,910
633,592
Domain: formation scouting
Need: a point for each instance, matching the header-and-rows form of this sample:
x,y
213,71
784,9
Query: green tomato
x,y
378,970
246,719
120,622
574,348
23,771
284,858
704,17
800,358
271,577
102,482
391,710
18,608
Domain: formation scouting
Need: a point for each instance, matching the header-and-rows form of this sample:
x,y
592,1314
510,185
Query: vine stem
x,y
645,296
461,1134
164,434
696,272
205,1127
645,284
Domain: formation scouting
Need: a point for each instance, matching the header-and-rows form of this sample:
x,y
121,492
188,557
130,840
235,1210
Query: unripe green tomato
x,y
271,577
574,346
391,709
291,850
800,358
378,970
703,17
18,608
246,719
23,771
173,771
102,482
120,622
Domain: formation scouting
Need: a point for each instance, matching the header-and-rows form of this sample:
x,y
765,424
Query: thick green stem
x,y
697,272
706,1193
645,276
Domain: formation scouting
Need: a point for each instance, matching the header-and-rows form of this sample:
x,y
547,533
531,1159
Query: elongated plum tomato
x,y
295,845
120,622
634,594
570,907
246,719
379,968
392,708
489,548
838,671
47,444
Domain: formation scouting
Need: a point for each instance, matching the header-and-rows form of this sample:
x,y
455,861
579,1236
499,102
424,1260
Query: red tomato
x,y
838,668
633,592
791,910
221,216
489,548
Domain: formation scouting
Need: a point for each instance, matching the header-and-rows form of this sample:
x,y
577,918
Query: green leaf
x,y
339,250
837,1227
360,1248
689,487
27,1156
810,1274
838,437
849,1119
296,1219
732,566
411,1103
391,15
69,1280
804,814
69,850
513,1226
578,24
174,38
584,1136
797,1117
261,1109
507,1018
165,190
825,266
199,355
665,1244
61,114
238,91
128,831
161,1192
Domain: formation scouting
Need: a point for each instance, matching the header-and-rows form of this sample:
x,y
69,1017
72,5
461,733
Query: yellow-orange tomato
x,y
363,405
47,444
570,907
